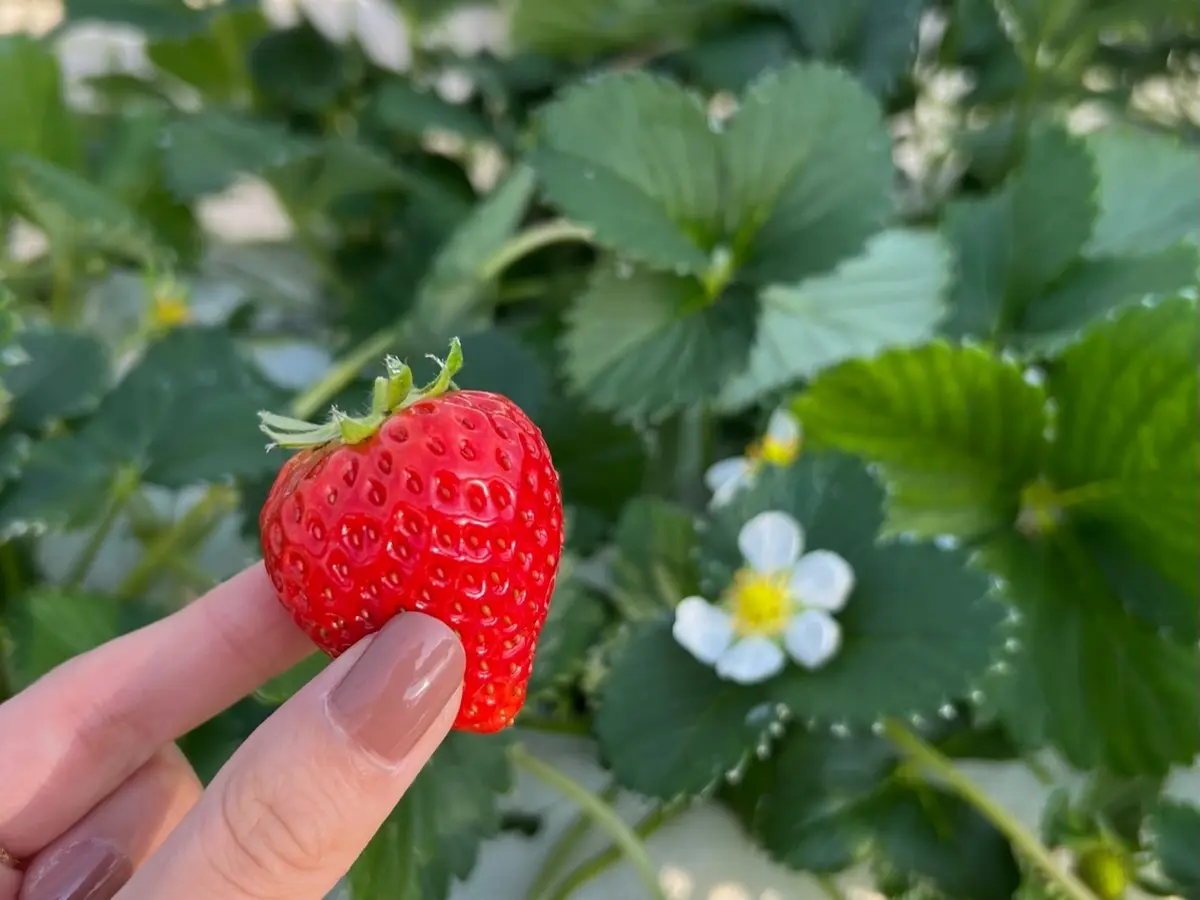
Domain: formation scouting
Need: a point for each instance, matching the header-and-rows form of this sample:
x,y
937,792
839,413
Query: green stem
x,y
676,469
191,529
418,56
691,453
593,867
603,815
933,761
1039,771
62,282
566,844
530,240
829,887
124,487
232,55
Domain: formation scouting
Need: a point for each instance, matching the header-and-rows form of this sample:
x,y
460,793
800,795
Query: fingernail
x,y
86,870
396,689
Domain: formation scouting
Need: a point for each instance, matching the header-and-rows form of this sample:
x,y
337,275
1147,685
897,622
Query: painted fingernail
x,y
85,870
398,687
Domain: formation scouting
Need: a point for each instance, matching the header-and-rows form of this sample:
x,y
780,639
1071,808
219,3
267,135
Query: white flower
x,y
780,605
377,27
779,447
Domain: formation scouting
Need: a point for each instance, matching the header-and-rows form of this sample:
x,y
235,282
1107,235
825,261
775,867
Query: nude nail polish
x,y
89,869
395,691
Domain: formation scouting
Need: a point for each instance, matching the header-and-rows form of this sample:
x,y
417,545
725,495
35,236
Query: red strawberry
x,y
442,502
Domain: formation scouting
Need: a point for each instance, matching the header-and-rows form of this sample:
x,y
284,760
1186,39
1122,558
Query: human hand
x,y
97,802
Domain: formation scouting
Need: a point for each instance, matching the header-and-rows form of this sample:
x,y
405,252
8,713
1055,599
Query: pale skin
x,y
92,781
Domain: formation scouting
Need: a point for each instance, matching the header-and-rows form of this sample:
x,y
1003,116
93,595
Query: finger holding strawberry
x,y
437,500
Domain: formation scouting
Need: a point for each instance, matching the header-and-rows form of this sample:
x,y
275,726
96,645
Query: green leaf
x,y
63,484
655,566
632,156
808,173
49,627
667,725
130,168
891,295
1174,829
299,68
907,598
1011,692
1148,191
1118,694
601,463
645,344
1053,209
1013,245
185,414
344,167
577,620
1095,287
810,812
209,746
579,28
65,375
155,18
206,152
37,120
74,214
1128,435
878,41
731,60
957,431
797,181
459,277
938,837
432,838
402,107
980,231
1146,592
212,60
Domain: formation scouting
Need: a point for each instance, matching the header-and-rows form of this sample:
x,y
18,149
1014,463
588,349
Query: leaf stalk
x,y
935,763
603,815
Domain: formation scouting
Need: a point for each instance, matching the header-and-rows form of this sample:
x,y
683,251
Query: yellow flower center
x,y
773,451
170,309
760,604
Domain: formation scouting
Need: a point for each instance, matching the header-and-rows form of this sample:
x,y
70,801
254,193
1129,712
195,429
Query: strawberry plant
x,y
840,358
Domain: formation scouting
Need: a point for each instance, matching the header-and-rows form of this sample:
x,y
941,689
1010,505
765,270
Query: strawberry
x,y
438,500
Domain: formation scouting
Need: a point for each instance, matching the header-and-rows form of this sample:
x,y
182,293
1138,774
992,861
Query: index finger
x,y
89,724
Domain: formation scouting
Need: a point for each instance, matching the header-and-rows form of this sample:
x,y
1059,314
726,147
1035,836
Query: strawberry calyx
x,y
391,393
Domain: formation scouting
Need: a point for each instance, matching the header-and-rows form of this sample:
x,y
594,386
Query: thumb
x,y
300,799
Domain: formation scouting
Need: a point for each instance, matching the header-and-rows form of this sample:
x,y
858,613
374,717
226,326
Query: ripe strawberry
x,y
442,502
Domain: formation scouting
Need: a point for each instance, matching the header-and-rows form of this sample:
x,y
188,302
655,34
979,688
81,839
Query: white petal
x,y
383,35
750,661
771,542
702,629
725,472
812,638
334,19
784,428
822,579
